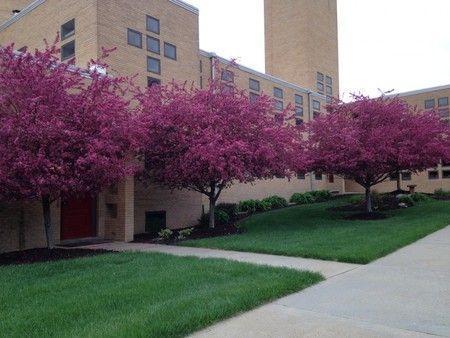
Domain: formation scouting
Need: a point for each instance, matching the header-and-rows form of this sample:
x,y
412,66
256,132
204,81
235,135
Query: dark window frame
x,y
71,33
406,176
297,109
256,83
445,174
151,81
227,75
153,39
431,173
129,30
318,176
320,87
147,26
298,99
278,105
319,77
167,44
71,55
328,80
159,63
316,105
429,104
445,99
278,92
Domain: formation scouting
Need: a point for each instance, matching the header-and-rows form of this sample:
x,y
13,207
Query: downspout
x,y
309,119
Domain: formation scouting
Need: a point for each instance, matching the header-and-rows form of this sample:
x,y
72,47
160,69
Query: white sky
x,y
387,44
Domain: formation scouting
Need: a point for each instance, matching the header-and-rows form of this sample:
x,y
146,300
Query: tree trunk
x,y
399,186
212,208
368,201
21,226
47,221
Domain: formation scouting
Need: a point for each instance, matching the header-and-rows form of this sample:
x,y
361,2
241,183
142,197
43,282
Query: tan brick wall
x,y
7,6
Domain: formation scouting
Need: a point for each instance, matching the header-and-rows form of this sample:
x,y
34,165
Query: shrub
x,y
230,208
301,198
166,234
247,206
407,199
220,216
321,195
182,234
442,194
263,205
309,197
276,202
356,199
419,197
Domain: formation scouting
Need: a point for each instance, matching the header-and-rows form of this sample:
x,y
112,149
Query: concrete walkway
x,y
405,294
326,268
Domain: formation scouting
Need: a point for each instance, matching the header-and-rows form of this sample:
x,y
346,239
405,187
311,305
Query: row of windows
x,y
153,44
317,177
431,103
432,175
324,84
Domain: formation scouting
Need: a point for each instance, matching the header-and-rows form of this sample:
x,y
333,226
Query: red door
x,y
78,218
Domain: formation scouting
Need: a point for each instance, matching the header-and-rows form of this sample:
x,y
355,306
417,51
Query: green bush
x,y
442,194
276,202
356,199
420,197
248,206
182,234
230,208
407,199
166,234
263,205
309,197
220,217
302,198
321,195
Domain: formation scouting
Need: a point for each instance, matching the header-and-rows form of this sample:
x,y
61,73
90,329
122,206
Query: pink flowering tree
x,y
207,139
368,140
64,131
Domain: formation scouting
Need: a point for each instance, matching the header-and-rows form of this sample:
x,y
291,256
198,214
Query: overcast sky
x,y
387,44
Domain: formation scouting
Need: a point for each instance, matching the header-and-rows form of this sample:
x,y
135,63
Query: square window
x,y
151,81
316,105
393,177
152,24
320,87
301,176
153,65
329,80
170,51
298,99
254,85
278,104
68,50
318,176
442,101
406,176
445,164
153,45
134,38
68,29
227,75
227,88
433,175
429,104
298,111
445,173
319,77
298,122
278,92
328,90
253,97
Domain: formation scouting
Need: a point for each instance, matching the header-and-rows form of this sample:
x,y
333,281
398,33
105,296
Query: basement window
x,y
151,81
433,175
406,176
68,29
445,173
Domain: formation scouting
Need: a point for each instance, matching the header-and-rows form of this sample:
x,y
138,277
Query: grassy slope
x,y
134,295
315,232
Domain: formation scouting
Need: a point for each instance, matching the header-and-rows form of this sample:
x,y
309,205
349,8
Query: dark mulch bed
x,y
366,216
46,255
199,232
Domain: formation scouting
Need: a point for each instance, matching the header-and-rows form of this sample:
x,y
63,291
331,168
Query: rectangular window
x,y
201,66
278,92
299,111
68,29
445,164
442,101
393,177
301,176
433,175
444,112
318,176
152,24
445,173
278,104
134,38
151,81
253,97
153,45
298,122
170,51
406,176
228,88
331,178
319,77
298,99
254,85
320,87
153,65
429,104
328,90
316,105
68,50
111,209
329,80
227,75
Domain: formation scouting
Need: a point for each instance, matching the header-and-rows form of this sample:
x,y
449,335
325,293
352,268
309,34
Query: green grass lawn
x,y
134,295
313,231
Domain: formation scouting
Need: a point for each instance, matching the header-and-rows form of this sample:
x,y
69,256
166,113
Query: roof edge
x,y
30,7
186,6
422,91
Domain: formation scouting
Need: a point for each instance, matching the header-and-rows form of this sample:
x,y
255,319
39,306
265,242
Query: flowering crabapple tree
x,y
368,140
64,131
207,139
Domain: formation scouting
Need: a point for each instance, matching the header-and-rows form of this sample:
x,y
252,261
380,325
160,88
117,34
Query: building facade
x,y
159,41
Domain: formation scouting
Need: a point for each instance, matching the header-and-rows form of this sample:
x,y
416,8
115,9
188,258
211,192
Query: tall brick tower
x,y
301,42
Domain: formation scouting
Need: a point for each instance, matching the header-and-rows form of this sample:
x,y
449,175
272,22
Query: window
x,y
227,88
227,75
445,173
278,92
68,50
153,65
316,105
445,164
316,114
328,80
442,101
406,176
151,81
433,175
155,221
153,45
68,29
331,178
201,66
201,82
320,87
393,177
328,90
253,97
445,112
278,104
301,176
134,38
111,209
298,122
254,85
298,111
298,99
318,176
429,104
152,24
319,77
170,51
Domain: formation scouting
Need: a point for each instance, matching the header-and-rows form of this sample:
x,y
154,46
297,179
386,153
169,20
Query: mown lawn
x,y
314,231
134,295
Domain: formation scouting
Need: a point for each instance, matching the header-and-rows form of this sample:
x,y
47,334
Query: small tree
x,y
368,140
206,139
64,131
